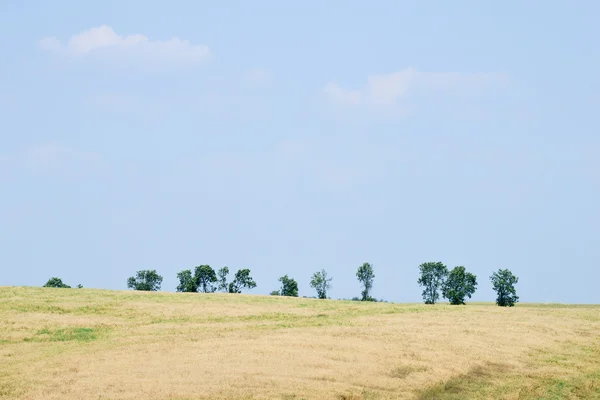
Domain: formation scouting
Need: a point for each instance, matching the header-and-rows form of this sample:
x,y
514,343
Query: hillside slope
x,y
83,344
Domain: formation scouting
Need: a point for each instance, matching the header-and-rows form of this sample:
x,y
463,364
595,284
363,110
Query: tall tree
x,y
458,285
432,277
145,280
222,279
366,275
205,277
321,283
241,280
187,283
56,283
504,284
289,286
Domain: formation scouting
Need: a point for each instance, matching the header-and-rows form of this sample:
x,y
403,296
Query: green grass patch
x,y
66,335
578,377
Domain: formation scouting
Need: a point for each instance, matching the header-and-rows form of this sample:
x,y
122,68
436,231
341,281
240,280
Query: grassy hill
x,y
96,344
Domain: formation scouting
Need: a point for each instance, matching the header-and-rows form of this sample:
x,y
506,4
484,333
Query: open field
x,y
95,344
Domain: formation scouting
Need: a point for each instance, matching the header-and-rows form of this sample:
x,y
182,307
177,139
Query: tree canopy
x,y
187,283
432,277
148,280
458,285
504,285
242,280
321,283
205,278
366,275
289,286
222,279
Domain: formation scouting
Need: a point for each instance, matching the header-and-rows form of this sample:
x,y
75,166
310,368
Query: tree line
x,y
437,281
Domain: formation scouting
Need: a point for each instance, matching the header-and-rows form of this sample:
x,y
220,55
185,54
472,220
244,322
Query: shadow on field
x,y
468,383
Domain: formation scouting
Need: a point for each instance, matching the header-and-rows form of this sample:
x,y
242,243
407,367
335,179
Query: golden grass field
x,y
97,344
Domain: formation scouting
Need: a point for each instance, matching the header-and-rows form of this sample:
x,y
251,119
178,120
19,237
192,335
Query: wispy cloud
x,y
339,95
103,41
393,91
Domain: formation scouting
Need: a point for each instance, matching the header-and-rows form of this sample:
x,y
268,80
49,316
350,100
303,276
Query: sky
x,y
290,137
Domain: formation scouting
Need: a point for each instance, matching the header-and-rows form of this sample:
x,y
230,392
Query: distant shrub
x,y
56,283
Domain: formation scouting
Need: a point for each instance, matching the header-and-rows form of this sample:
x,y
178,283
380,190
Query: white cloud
x,y
339,95
392,90
49,44
103,41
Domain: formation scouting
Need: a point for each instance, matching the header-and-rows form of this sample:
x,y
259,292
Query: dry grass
x,y
84,344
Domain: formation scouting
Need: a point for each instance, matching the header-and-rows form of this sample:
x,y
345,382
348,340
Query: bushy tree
x,y
148,280
432,277
504,284
222,279
274,293
366,275
187,283
80,286
205,277
321,283
241,280
458,285
56,283
289,286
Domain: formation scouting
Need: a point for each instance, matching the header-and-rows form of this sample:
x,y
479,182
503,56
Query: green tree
x,y
222,274
56,283
289,286
187,283
504,284
321,283
432,277
366,275
241,280
205,277
458,285
148,280
274,293
80,286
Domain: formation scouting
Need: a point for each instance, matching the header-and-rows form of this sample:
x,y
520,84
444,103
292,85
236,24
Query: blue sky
x,y
290,137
